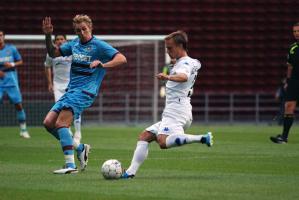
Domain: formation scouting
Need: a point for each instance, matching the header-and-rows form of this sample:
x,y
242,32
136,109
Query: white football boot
x,y
24,134
68,170
83,156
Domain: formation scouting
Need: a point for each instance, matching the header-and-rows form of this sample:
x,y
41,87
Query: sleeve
x,y
16,55
107,51
291,58
184,68
48,61
66,48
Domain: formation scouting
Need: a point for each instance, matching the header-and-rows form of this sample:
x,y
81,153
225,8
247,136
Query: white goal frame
x,y
122,40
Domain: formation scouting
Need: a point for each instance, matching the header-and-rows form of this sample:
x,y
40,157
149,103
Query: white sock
x,y
175,140
69,159
77,124
77,136
23,126
70,131
140,154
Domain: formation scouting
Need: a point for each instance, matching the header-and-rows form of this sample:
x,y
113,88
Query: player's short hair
x,y
296,24
179,37
82,18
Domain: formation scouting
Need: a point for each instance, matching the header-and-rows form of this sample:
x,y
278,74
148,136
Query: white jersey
x,y
183,90
61,67
177,114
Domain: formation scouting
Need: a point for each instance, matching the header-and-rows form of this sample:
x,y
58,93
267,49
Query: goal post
x,y
129,94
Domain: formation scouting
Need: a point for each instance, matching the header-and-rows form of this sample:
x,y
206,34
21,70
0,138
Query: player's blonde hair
x,y
179,37
82,18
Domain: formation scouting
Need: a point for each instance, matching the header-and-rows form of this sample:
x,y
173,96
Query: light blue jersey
x,y
9,54
82,76
84,81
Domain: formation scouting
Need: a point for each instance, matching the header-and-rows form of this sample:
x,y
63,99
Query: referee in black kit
x,y
292,87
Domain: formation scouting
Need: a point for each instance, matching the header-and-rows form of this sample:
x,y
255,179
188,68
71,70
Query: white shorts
x,y
176,118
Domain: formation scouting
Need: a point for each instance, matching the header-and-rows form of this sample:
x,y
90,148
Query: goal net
x,y
129,93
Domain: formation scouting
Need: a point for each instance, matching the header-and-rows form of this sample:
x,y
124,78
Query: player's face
x,y
172,48
296,32
83,31
60,40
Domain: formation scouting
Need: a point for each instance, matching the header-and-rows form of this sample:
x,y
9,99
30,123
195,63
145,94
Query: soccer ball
x,y
111,169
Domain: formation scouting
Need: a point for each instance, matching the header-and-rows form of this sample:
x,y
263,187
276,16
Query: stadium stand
x,y
249,36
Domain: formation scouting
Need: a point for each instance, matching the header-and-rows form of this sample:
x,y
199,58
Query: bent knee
x,y
290,107
48,124
162,146
162,142
146,136
18,106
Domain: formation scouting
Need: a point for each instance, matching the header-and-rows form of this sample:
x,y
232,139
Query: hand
x,y
47,26
2,74
8,65
96,63
162,76
286,83
50,88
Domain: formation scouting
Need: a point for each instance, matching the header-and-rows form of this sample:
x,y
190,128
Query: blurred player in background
x,y
292,88
90,58
177,114
280,97
60,68
10,58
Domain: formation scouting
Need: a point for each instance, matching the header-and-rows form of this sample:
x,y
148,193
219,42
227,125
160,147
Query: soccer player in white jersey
x,y
177,114
60,68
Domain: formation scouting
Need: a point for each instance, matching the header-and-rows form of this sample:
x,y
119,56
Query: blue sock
x,y
66,142
21,116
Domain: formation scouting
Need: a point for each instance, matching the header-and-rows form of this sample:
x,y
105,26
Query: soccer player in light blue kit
x,y
10,58
90,58
60,68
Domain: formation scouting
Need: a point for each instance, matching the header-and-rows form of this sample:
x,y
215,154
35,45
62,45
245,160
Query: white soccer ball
x,y
111,169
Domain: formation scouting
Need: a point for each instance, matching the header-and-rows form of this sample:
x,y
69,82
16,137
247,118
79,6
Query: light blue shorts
x,y
75,100
13,93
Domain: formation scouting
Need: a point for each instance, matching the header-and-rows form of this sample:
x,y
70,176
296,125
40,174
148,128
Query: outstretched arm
x,y
118,59
52,50
179,77
13,64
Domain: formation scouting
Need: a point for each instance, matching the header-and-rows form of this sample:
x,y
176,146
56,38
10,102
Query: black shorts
x,y
292,93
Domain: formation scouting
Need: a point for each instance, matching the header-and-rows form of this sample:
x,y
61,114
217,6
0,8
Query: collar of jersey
x,y
87,41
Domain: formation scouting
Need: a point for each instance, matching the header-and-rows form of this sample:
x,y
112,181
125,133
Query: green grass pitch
x,y
243,164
